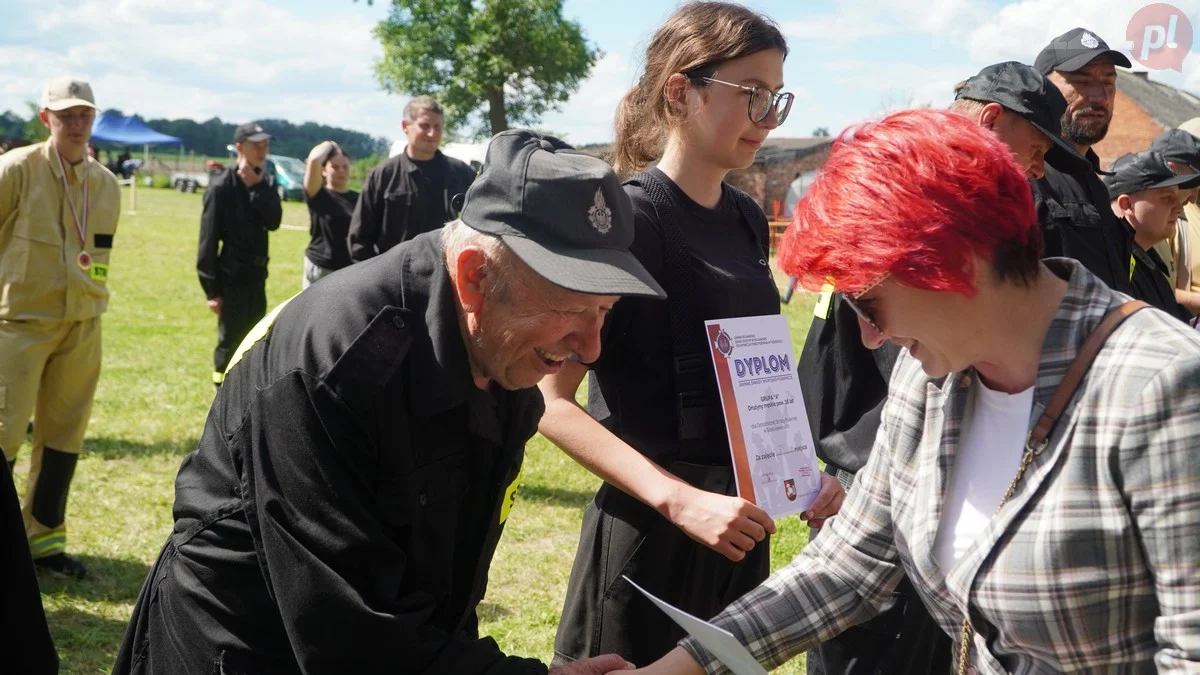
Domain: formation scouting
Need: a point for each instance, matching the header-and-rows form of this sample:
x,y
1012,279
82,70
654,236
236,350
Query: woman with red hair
x,y
1035,472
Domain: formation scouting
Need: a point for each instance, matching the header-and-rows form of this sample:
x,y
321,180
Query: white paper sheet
x,y
719,641
774,458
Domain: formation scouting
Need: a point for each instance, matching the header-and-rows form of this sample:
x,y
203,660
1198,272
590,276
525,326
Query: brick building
x,y
1143,110
779,162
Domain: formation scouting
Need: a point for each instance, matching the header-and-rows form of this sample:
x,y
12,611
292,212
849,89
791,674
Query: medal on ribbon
x,y
84,259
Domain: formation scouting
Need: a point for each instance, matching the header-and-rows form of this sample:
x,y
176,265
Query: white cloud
x,y
587,117
204,58
857,19
1021,29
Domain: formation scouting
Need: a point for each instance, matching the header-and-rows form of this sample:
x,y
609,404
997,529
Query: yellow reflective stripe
x,y
824,302
510,496
1132,264
218,377
48,544
257,333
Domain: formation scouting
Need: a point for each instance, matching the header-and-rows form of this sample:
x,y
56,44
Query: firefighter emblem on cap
x,y
599,215
1088,40
73,90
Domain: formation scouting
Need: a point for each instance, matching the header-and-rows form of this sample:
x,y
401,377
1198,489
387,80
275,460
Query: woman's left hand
x,y
828,503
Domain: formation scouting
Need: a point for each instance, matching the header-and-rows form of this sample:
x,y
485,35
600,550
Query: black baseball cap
x,y
1137,171
1075,49
250,131
561,212
1023,90
1177,145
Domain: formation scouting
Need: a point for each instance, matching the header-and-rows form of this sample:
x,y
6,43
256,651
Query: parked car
x,y
289,176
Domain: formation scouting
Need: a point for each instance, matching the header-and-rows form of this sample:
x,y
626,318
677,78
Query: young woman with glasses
x,y
667,515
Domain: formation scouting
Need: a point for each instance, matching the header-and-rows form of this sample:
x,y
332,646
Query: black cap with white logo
x,y
1023,90
1075,49
561,212
250,131
1137,171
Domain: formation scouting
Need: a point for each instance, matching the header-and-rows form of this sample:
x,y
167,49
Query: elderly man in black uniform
x,y
845,384
1072,207
240,207
360,461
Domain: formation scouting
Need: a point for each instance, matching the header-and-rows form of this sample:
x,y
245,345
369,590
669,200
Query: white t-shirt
x,y
989,452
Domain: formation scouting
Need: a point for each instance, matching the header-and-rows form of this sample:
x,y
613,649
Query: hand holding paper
x,y
720,642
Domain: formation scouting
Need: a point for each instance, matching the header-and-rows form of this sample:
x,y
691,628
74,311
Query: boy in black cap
x,y
1181,149
845,384
240,207
358,466
1073,206
1148,196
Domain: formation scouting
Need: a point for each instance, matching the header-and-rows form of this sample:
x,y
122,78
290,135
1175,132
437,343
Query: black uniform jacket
x,y
393,208
233,231
1077,222
1150,282
844,385
347,495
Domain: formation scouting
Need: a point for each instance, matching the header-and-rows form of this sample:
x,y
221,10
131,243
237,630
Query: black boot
x,y
61,563
50,506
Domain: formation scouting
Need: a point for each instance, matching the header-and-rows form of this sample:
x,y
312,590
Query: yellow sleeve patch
x,y
98,272
824,303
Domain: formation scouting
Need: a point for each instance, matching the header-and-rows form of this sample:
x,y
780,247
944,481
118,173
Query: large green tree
x,y
490,63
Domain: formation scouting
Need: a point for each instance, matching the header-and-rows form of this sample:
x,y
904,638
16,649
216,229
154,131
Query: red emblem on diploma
x,y
724,343
789,489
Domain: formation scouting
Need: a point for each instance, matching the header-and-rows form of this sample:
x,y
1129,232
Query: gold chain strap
x,y
1038,438
964,646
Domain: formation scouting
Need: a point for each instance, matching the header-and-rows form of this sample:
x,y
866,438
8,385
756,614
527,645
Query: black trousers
x,y
902,640
622,536
244,303
24,636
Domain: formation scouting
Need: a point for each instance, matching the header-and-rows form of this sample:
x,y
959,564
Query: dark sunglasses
x,y
762,100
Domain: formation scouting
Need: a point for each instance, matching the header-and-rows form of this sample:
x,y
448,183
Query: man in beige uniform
x,y
58,214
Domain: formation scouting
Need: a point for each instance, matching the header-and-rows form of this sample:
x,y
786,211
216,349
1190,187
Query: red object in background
x,y
775,209
213,165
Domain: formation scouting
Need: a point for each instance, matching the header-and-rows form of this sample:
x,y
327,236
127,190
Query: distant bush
x,y
161,180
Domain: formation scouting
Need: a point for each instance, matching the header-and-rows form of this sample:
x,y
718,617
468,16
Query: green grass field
x,y
153,396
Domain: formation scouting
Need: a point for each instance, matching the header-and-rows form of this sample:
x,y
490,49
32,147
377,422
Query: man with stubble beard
x,y
1073,208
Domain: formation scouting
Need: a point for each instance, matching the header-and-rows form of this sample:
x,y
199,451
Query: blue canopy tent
x,y
110,127
113,128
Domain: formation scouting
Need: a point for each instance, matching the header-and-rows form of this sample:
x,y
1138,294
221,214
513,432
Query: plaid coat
x,y
1092,566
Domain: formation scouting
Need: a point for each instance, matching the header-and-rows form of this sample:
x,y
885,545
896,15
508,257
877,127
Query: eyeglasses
x,y
762,100
865,313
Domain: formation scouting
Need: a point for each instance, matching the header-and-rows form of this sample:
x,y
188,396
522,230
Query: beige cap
x,y
67,92
1192,126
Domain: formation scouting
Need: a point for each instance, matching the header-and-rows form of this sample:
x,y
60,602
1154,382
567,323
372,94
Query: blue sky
x,y
310,60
